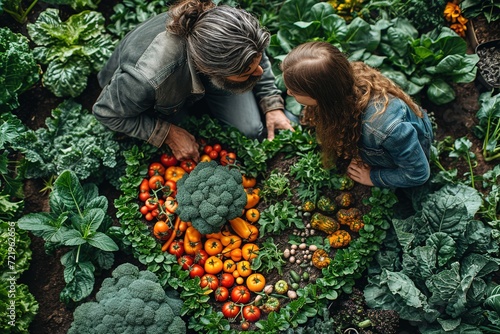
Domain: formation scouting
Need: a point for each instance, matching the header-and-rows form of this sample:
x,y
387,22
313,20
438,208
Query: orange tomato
x,y
249,251
205,158
229,266
174,173
192,241
252,215
240,280
236,254
213,246
256,282
213,265
249,182
236,274
243,268
161,230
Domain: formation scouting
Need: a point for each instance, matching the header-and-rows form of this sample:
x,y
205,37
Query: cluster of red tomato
x,y
222,261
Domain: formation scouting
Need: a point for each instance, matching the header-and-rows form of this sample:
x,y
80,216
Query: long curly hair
x,y
342,91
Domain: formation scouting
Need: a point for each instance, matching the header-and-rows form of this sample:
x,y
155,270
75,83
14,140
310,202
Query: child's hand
x,y
359,172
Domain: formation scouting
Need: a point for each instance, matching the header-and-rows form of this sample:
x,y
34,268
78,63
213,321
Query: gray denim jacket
x,y
149,79
396,144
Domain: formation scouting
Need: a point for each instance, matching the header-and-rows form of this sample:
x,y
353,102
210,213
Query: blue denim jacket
x,y
396,144
150,80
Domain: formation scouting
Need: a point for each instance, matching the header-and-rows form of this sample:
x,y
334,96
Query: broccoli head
x,y
131,301
210,195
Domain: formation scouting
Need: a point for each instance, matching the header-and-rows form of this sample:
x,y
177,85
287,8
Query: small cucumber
x,y
295,286
294,276
305,276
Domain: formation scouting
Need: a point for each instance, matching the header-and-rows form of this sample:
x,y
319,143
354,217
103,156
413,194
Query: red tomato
x,y
185,261
240,294
209,280
156,168
221,294
217,148
144,196
144,209
227,280
213,155
251,313
196,270
207,149
222,153
230,310
176,248
201,257
168,160
188,165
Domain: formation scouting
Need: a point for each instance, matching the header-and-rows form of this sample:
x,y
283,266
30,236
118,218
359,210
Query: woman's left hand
x,y
359,172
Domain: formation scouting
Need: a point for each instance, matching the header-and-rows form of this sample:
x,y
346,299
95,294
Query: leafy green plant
x,y
473,8
17,304
77,220
269,258
77,5
429,61
488,128
278,217
16,9
72,50
462,149
274,186
73,139
18,68
425,15
309,171
437,272
129,13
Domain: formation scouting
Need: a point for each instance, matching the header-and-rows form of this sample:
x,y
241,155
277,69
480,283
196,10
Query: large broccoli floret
x,y
131,301
210,195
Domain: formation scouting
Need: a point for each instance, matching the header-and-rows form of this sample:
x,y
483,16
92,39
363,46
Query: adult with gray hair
x,y
196,51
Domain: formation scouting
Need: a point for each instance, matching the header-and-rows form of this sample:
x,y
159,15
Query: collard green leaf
x,y
445,247
68,188
445,213
72,49
18,68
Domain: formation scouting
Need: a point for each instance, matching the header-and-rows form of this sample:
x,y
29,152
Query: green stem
x,y
471,171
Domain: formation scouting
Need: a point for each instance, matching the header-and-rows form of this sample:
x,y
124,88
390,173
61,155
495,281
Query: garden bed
x,y
45,275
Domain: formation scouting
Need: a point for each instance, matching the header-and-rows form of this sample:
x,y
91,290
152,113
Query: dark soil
x,y
45,276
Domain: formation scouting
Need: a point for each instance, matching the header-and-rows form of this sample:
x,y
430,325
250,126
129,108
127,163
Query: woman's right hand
x,y
183,144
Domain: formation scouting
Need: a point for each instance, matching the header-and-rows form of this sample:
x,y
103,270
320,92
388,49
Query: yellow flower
x,y
459,29
452,12
462,20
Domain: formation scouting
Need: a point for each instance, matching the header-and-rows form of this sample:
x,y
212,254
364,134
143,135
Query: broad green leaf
x,y
103,242
67,187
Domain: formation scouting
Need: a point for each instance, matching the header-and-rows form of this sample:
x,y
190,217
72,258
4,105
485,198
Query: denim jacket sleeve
x,y
412,166
266,92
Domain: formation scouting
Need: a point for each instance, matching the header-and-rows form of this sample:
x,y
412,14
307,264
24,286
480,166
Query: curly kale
x,y
210,195
131,301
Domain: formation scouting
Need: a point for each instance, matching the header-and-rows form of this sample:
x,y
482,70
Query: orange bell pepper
x,y
192,241
252,197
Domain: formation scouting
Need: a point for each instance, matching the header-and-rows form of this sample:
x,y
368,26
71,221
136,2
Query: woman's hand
x,y
359,172
183,144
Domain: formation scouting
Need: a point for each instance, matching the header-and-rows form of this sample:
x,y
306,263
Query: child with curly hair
x,y
361,115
